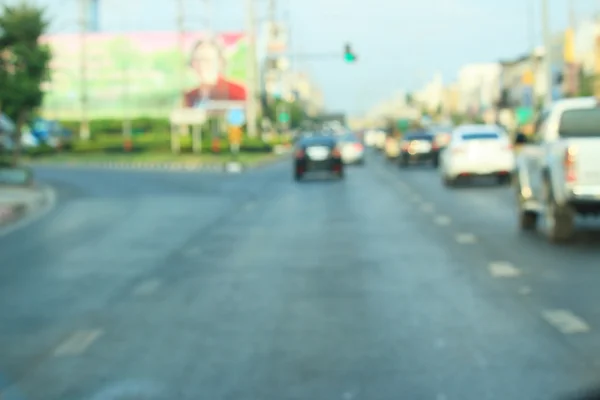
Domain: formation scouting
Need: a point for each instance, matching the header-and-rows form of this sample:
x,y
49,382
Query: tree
x,y
24,63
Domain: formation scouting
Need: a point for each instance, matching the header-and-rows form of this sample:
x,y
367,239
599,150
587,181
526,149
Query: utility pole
x,y
181,45
547,52
176,131
251,106
84,129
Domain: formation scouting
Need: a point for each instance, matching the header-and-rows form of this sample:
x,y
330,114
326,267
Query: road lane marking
x,y
565,321
78,342
503,269
465,238
249,206
427,207
442,220
524,290
146,288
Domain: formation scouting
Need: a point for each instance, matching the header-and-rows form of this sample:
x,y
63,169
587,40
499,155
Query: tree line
x,y
24,62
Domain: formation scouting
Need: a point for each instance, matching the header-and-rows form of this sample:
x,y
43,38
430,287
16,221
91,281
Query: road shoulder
x,y
21,205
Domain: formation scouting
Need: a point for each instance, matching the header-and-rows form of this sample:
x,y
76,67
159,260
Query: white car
x,y
353,151
477,150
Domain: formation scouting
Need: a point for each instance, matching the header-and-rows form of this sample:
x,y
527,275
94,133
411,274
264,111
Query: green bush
x,y
115,126
160,143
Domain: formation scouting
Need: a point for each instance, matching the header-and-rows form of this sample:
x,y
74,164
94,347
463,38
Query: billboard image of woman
x,y
208,62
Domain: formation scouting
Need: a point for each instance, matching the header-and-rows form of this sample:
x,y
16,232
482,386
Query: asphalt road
x,y
169,286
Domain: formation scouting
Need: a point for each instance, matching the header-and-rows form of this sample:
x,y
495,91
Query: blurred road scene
x,y
255,200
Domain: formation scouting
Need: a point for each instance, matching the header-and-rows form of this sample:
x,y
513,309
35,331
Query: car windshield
x,y
580,123
348,138
480,136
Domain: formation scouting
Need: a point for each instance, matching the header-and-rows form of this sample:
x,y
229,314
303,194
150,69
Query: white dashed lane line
x,y
427,207
525,290
565,321
465,238
146,288
503,269
78,343
442,220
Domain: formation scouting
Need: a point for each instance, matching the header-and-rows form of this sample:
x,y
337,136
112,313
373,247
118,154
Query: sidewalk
x,y
17,202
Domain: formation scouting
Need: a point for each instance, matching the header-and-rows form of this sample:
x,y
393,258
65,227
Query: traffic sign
x,y
284,117
236,117
235,135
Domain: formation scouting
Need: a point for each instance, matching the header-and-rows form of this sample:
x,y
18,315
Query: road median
x,y
146,161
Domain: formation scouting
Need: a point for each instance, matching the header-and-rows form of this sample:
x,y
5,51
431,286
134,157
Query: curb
x,y
11,213
175,167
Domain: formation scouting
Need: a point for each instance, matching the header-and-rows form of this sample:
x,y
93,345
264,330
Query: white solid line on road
x,y
427,207
524,290
442,220
503,269
565,321
466,238
78,342
146,288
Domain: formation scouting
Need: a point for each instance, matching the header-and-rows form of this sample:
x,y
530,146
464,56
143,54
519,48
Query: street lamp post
x,y
84,130
547,52
251,106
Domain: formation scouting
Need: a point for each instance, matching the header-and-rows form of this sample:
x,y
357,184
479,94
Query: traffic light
x,y
349,55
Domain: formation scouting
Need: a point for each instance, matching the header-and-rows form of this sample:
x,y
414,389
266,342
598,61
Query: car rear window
x,y
317,141
480,136
580,123
419,137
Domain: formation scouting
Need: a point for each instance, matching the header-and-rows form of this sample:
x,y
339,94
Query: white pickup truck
x,y
558,169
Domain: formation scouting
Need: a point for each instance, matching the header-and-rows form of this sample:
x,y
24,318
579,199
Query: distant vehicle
x,y
477,150
558,168
318,153
353,151
391,147
441,137
52,133
417,146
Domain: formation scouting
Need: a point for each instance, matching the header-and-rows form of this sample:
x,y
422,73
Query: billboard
x,y
144,73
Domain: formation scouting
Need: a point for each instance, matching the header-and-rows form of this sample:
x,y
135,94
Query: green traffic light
x,y
349,57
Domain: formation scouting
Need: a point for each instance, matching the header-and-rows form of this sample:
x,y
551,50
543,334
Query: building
x,y
478,87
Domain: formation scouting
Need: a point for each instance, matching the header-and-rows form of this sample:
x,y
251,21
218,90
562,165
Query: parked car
x,y
52,133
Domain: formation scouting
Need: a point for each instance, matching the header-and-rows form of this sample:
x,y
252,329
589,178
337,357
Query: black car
x,y
316,153
418,147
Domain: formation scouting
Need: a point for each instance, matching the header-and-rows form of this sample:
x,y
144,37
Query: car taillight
x,y
358,146
300,153
570,158
405,146
434,146
336,152
509,147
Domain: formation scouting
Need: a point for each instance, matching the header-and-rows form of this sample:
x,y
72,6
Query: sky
x,y
400,43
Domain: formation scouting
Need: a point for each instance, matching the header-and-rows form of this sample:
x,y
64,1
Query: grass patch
x,y
150,158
